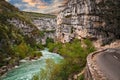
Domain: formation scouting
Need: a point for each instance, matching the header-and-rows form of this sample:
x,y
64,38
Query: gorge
x,y
82,27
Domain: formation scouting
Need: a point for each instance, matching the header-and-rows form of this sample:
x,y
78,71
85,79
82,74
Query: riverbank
x,y
28,69
74,58
74,54
4,69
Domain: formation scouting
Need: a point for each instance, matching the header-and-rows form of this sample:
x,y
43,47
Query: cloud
x,y
40,6
7,0
38,3
44,7
18,5
55,7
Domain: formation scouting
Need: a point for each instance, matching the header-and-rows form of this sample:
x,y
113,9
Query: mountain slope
x,y
19,37
5,7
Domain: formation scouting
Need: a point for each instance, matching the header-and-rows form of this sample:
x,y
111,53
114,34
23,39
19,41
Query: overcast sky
x,y
41,6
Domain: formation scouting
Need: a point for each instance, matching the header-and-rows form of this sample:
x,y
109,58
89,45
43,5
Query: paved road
x,y
109,62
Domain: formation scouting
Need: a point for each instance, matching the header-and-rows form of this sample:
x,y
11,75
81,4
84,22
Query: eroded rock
x,y
89,19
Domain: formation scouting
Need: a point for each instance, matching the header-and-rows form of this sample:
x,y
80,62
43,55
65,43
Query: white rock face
x,y
88,19
46,25
24,27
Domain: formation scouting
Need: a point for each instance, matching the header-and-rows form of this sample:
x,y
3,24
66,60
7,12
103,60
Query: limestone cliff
x,y
47,25
94,19
44,26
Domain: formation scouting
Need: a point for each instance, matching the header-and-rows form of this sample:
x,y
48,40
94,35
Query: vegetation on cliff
x,y
74,54
13,44
33,15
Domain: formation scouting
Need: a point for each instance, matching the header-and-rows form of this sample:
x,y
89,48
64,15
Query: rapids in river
x,y
26,70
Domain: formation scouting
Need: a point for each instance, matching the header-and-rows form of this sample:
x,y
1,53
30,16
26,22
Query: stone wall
x,y
92,71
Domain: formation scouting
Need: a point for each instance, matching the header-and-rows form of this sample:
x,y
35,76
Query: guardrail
x,y
92,71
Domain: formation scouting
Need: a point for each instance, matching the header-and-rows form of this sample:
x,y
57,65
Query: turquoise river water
x,y
27,69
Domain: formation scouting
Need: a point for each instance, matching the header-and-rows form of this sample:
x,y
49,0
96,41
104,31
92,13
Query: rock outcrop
x,y
39,29
47,26
27,29
94,19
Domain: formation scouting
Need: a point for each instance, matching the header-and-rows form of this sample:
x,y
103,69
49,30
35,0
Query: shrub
x,y
21,50
49,72
74,56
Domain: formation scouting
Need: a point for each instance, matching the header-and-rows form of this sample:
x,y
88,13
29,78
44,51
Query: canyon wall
x,y
47,26
44,27
97,20
26,29
93,19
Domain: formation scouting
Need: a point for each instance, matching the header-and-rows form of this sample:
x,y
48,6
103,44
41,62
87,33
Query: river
x,y
26,70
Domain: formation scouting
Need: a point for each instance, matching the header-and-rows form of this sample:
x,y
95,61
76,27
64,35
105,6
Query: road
x,y
109,63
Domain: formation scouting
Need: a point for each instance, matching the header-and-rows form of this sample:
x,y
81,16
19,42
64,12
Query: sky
x,y
40,6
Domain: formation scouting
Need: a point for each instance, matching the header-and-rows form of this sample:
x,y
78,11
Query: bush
x,y
49,72
74,54
81,77
35,54
21,50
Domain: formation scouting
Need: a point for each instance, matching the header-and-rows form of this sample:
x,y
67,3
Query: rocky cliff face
x,y
26,29
46,27
94,19
45,24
